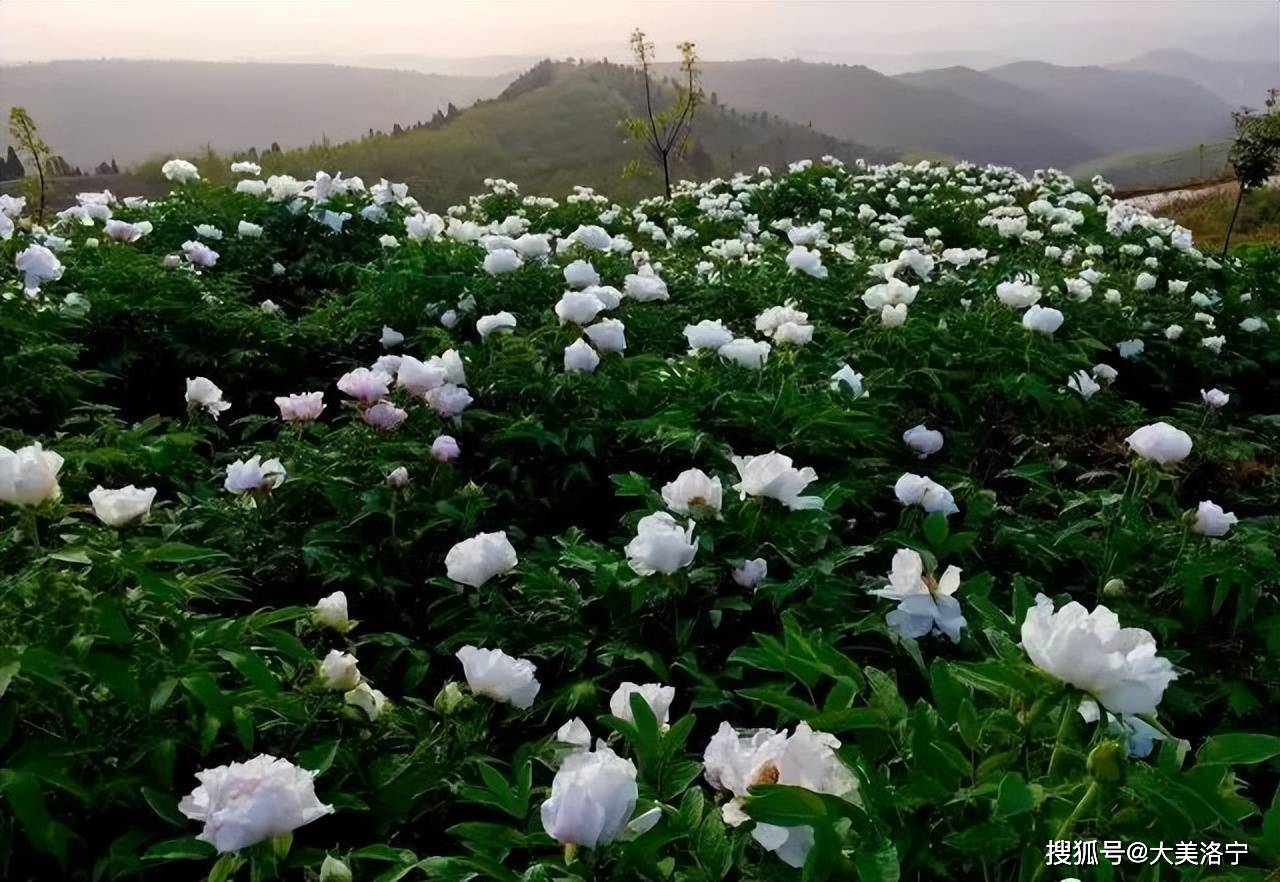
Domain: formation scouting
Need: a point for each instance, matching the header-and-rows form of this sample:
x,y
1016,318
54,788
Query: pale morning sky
x,y
1080,32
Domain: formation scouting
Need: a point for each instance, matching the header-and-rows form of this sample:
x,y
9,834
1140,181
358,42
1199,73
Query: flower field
x,y
842,522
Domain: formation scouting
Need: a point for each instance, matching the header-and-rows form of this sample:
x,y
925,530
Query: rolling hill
x,y
1123,110
554,127
1239,83
858,103
90,111
1158,169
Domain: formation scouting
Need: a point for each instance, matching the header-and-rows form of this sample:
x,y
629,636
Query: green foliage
x,y
132,658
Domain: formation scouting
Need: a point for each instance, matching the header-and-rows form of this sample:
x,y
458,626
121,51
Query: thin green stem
x,y
1083,806
31,526
1064,726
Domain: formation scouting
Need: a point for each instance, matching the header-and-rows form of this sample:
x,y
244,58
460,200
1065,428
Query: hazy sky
x,y
1081,31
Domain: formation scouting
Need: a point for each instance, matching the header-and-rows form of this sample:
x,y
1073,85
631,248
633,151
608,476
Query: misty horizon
x,y
891,37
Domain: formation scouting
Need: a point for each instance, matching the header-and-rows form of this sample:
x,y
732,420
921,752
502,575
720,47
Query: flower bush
x,y
849,522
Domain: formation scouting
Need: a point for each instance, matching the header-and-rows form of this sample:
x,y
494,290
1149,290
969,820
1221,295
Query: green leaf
x,y
1238,748
188,848
712,851
319,758
879,865
178,552
935,529
1013,797
8,671
164,805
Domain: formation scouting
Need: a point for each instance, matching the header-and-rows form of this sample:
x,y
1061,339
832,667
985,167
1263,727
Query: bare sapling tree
x,y
665,132
26,139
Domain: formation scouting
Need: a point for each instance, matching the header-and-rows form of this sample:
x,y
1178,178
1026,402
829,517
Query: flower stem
x,y
1085,803
32,528
1064,725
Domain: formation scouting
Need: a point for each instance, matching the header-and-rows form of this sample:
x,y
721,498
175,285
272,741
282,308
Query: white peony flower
x,y
924,604
1130,349
772,475
29,475
575,734
751,573
581,274
644,285
331,612
608,335
745,352
449,400
199,254
488,324
657,696
201,392
580,358
476,560
398,478
339,671
661,545
1160,442
246,476
180,170
1214,398
924,441
1018,294
736,761
707,334
893,316
37,265
804,260
245,167
692,490
368,699
493,673
924,492
579,307
850,379
592,798
891,292
1211,520
390,338
1042,319
246,803
503,260
123,231
1082,384
1089,650
115,508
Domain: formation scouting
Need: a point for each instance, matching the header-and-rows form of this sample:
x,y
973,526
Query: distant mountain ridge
x,y
90,111
1239,83
1025,114
553,128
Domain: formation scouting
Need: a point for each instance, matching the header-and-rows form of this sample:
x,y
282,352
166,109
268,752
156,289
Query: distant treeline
x,y
12,169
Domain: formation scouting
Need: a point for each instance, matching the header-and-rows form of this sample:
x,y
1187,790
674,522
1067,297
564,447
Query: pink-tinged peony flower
x,y
445,449
303,408
384,415
364,385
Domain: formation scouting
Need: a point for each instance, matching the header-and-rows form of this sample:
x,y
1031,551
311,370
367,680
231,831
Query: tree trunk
x,y
666,175
1235,211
